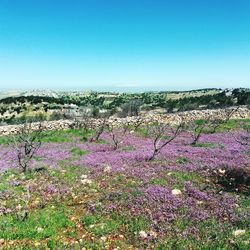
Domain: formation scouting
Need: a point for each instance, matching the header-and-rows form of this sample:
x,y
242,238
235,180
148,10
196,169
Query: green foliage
x,y
200,122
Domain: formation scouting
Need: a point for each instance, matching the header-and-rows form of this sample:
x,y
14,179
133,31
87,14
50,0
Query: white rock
x,y
107,169
86,181
103,238
153,234
39,229
18,207
222,171
239,232
200,202
176,192
143,234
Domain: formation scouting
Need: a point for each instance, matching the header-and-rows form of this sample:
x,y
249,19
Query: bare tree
x,y
82,122
82,119
196,128
116,138
131,108
214,124
244,138
163,134
100,128
26,143
138,122
125,126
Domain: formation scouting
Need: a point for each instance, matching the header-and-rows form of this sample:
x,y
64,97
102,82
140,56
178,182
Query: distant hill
x,y
17,106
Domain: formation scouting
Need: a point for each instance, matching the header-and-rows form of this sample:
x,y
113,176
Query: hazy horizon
x,y
107,89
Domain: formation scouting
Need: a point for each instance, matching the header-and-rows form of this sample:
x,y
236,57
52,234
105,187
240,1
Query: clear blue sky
x,y
124,44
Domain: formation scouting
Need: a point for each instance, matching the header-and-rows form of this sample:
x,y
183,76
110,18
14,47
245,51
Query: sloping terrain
x,y
86,195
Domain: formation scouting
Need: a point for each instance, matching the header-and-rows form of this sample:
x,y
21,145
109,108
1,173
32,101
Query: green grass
x,y
39,225
128,148
233,124
59,136
65,135
180,178
70,173
101,226
143,131
182,160
78,152
3,186
159,181
4,140
48,225
211,236
208,145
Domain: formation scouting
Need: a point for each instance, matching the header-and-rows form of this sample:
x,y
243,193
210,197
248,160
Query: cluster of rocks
x,y
223,114
174,118
47,125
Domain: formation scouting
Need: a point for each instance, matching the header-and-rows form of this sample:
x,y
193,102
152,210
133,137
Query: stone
x,y
176,192
143,234
239,232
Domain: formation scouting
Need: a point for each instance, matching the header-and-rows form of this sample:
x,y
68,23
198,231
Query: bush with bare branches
x,y
115,136
100,128
138,121
162,135
26,143
243,138
214,124
82,120
196,128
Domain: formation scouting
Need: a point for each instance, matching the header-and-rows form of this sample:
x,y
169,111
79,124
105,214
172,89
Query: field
x,y
86,195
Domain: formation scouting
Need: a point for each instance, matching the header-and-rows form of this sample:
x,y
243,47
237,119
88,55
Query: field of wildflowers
x,y
88,195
